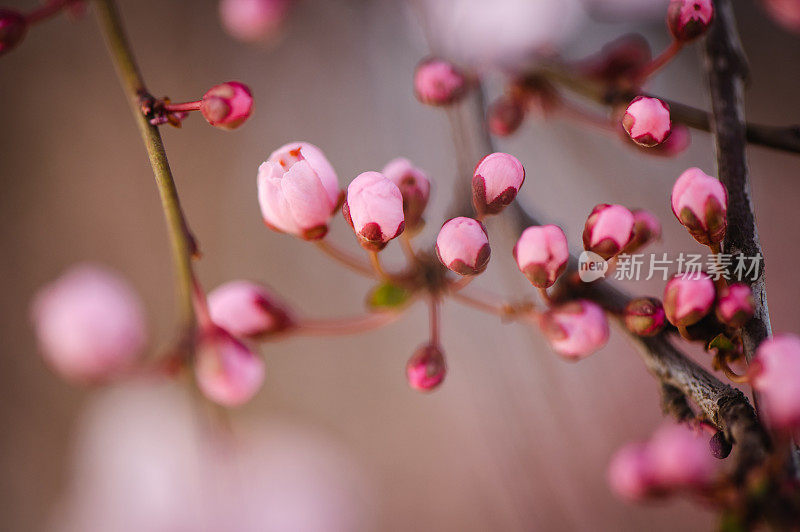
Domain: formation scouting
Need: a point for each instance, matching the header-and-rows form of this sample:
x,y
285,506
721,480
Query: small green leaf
x,y
386,296
721,342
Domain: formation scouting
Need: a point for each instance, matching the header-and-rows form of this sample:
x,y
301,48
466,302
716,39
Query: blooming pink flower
x,y
629,472
374,209
542,254
228,105
505,115
575,329
645,316
227,371
646,229
688,298
253,20
688,19
784,12
12,29
608,230
735,305
414,186
681,458
700,202
647,121
496,181
298,190
90,324
247,310
775,374
463,246
427,368
439,82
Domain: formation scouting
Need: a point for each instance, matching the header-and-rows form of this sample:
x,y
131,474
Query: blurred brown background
x,y
516,439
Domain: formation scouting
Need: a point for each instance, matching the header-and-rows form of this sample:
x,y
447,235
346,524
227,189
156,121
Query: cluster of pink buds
x,y
700,202
254,20
775,374
647,121
575,329
374,209
608,230
689,19
439,82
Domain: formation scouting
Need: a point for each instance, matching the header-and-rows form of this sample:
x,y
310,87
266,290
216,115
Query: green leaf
x,y
721,342
387,296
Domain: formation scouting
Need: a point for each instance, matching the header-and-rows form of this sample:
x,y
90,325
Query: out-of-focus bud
x,y
608,230
542,253
784,12
700,202
427,368
679,139
689,19
298,191
629,472
645,316
505,115
254,20
439,82
681,458
495,182
374,209
89,323
775,374
414,186
228,105
463,246
620,60
12,29
247,310
735,305
647,121
227,372
575,329
646,229
688,298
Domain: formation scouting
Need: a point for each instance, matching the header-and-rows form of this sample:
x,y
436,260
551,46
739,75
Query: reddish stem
x,y
183,107
433,314
659,61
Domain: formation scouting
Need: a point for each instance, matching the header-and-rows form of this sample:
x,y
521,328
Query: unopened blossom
x,y
575,329
688,19
427,368
414,186
227,105
700,202
647,121
247,310
680,458
254,20
439,82
90,324
227,371
629,473
688,298
505,115
679,139
463,246
775,374
608,230
374,209
784,12
495,182
542,253
298,190
646,229
735,305
12,29
645,316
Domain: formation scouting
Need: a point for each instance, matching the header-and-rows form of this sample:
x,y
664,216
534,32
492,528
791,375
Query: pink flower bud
x,y
688,298
688,19
439,82
89,323
775,373
413,185
227,371
496,181
228,105
374,209
247,310
629,472
505,116
463,246
645,316
784,12
679,139
735,305
646,229
608,230
575,329
253,20
542,254
681,458
12,29
298,190
647,121
700,202
427,368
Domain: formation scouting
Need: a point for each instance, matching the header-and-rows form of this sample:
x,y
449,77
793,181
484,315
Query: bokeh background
x,y
516,439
